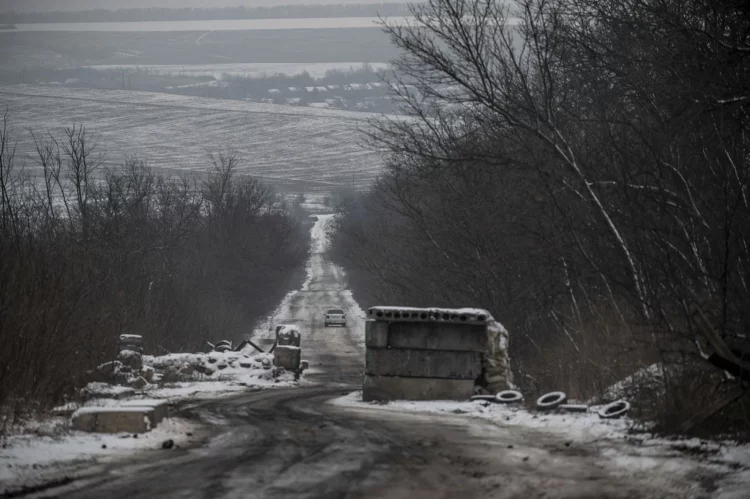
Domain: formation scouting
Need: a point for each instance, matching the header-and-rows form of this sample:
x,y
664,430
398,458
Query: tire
x,y
614,410
509,396
550,401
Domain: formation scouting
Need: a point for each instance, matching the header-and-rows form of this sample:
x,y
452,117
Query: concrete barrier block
x,y
287,357
113,419
436,336
160,407
376,334
288,335
442,315
385,388
423,363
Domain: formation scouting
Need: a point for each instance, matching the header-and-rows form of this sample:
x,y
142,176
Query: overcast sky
x,y
52,5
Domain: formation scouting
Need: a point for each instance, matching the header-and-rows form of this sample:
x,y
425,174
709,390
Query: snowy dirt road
x,y
294,443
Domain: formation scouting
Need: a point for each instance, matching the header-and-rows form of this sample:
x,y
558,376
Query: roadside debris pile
x,y
104,410
127,369
556,401
244,365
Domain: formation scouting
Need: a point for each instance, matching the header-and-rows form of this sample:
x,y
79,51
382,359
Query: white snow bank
x,y
648,378
26,460
579,426
214,373
619,449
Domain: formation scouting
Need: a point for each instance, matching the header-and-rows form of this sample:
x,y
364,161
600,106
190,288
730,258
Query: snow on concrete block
x,y
160,407
376,334
288,335
287,357
113,419
386,388
411,314
106,391
423,363
437,336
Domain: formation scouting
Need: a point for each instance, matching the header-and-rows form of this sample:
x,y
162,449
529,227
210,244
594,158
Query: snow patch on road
x,y
620,449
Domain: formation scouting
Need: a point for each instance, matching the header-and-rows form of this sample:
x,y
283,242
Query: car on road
x,y
335,316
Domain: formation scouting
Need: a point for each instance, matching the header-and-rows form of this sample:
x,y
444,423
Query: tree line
x,y
581,169
207,13
88,253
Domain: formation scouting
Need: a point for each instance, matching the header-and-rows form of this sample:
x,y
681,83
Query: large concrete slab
x,y
423,363
160,407
113,419
384,388
376,334
436,336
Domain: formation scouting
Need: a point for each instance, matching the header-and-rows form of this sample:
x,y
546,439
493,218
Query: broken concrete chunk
x,y
160,407
386,388
287,357
139,383
113,419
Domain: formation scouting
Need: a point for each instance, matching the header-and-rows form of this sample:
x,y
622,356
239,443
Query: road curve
x,y
291,443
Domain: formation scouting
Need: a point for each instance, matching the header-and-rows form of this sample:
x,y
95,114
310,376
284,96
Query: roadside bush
x,y
88,253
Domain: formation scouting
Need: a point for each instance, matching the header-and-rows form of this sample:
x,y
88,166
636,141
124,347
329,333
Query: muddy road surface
x,y
292,443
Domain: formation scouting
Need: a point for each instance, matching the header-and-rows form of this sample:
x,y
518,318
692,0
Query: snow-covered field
x,y
315,147
314,69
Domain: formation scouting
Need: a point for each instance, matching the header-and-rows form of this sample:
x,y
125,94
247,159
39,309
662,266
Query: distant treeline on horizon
x,y
204,14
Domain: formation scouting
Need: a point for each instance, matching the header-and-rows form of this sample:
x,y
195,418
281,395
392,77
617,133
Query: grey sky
x,y
67,5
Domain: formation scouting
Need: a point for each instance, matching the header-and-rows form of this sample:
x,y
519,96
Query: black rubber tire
x,y
509,396
550,401
614,410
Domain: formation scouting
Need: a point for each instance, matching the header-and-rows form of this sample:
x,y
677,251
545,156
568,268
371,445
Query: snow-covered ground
x,y
46,448
30,459
48,445
619,448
